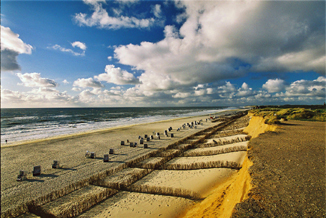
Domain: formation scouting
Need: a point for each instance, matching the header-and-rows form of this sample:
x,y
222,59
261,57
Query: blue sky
x,y
161,53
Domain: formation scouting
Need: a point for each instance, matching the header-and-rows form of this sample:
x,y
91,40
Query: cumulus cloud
x,y
308,88
245,90
127,1
274,85
65,81
90,82
35,80
92,2
10,96
68,50
181,95
222,40
11,47
117,76
101,19
227,88
308,91
11,41
43,96
76,89
80,45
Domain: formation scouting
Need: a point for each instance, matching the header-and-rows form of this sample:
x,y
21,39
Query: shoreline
x,y
84,133
77,170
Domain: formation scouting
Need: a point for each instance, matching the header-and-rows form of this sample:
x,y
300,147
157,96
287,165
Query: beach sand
x,y
56,191
228,160
77,171
239,146
139,205
288,172
194,184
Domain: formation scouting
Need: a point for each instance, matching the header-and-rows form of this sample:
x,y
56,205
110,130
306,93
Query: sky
x,y
133,53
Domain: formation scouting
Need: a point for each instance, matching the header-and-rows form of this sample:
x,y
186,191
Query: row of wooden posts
x,y
56,164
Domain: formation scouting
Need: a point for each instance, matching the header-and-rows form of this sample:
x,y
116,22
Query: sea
x,y
38,123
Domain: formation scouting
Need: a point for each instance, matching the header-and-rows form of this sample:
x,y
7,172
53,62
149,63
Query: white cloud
x,y
157,10
68,50
117,76
209,91
101,19
93,2
274,85
127,1
76,89
80,45
181,17
11,41
200,92
42,96
245,91
35,80
315,88
110,58
307,91
90,82
227,88
65,81
181,95
222,40
11,47
10,96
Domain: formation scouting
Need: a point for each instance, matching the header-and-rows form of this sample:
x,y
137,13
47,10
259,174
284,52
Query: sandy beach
x,y
78,171
288,172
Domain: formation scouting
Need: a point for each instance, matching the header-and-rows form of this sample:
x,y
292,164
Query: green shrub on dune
x,y
301,114
274,115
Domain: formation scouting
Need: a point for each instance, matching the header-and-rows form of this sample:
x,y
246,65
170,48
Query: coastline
x,y
77,169
82,133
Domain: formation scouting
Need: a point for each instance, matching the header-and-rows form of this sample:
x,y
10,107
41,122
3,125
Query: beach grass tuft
x,y
151,163
224,141
193,153
202,165
74,203
124,178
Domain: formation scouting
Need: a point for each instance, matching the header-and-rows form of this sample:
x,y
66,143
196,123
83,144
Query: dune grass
x,y
274,115
224,141
123,178
198,152
203,165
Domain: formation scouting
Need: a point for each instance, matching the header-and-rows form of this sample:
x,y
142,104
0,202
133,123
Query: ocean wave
x,y
61,116
45,127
